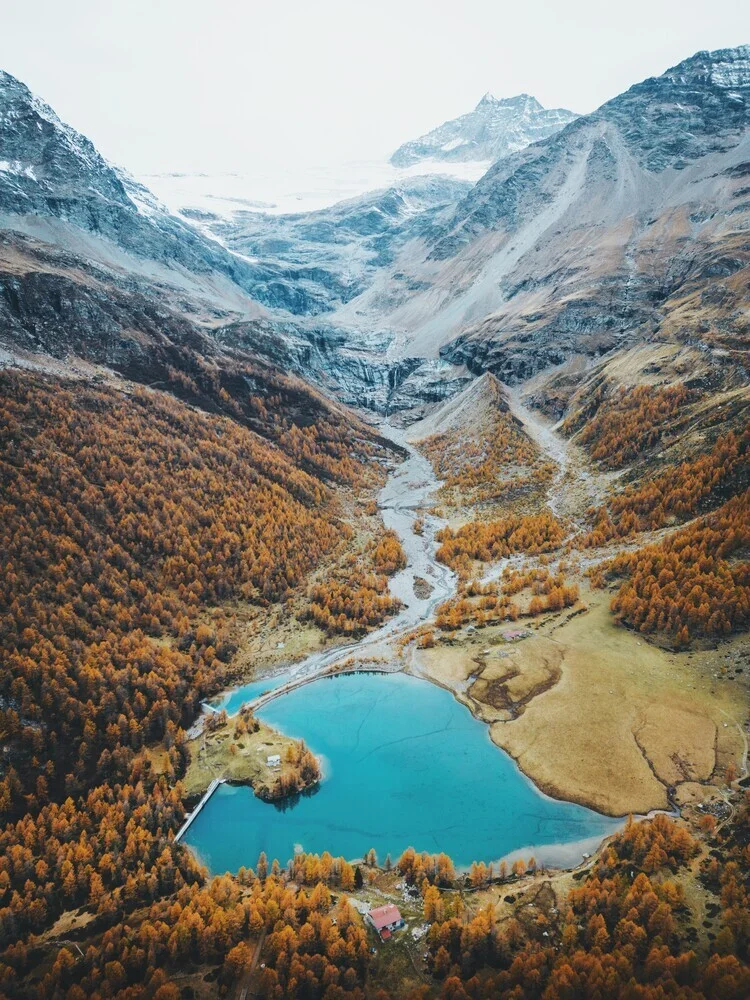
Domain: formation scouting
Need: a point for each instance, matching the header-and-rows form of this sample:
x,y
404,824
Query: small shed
x,y
386,920
274,760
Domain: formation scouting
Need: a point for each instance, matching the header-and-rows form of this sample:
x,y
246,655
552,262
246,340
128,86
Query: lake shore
x,y
237,752
405,764
611,722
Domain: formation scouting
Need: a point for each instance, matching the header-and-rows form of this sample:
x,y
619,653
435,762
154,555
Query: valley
x,y
670,721
407,535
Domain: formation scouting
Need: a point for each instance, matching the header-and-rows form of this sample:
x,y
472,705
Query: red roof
x,y
382,916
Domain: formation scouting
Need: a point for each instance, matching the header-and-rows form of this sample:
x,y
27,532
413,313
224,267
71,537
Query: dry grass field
x,y
593,713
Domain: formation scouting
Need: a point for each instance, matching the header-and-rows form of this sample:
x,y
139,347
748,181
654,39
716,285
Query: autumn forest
x,y
131,525
375,575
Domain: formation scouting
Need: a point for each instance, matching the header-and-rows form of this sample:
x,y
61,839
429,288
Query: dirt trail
x,y
244,986
577,485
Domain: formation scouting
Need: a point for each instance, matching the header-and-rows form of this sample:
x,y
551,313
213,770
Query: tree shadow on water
x,y
290,801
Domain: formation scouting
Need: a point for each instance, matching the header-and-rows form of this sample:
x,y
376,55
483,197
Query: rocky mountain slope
x,y
55,186
626,225
495,128
335,252
92,266
629,223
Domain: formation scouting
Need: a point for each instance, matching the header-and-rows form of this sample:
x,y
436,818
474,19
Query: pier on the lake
x,y
189,819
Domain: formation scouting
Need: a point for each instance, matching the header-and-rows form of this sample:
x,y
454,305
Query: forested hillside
x,y
124,517
548,370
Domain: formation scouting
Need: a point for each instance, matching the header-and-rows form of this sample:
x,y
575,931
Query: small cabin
x,y
274,760
386,920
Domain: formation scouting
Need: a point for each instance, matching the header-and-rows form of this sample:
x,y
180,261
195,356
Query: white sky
x,y
220,85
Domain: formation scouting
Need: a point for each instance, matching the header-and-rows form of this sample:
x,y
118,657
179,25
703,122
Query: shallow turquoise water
x,y
405,764
233,701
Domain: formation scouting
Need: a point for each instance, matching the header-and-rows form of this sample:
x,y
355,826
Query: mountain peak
x,y
495,128
49,170
698,106
525,101
42,154
726,68
16,98
8,80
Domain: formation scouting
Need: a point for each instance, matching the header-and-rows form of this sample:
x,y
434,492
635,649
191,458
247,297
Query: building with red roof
x,y
386,920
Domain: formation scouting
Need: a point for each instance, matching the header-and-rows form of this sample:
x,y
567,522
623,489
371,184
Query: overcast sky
x,y
216,85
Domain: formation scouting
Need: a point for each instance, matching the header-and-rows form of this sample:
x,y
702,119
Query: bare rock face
x,y
92,265
595,238
44,160
354,367
321,260
51,171
54,184
700,107
495,128
626,225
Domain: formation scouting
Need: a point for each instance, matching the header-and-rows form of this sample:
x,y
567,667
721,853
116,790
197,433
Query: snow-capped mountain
x,y
624,225
55,186
495,128
463,149
93,265
336,252
53,180
629,223
291,188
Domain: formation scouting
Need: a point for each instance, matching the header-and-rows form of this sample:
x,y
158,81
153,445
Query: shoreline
x,y
669,723
559,855
401,500
547,787
540,785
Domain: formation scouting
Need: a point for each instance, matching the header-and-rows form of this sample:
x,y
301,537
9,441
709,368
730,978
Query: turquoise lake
x,y
233,700
404,765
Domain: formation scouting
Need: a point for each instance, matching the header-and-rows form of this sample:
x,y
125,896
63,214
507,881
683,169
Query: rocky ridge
x,y
92,266
628,224
495,128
